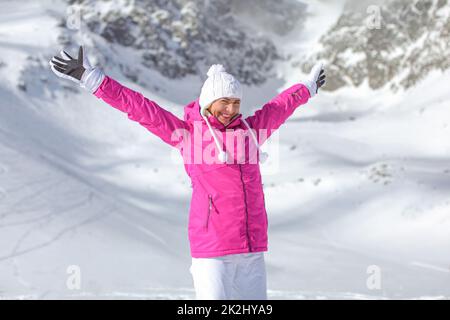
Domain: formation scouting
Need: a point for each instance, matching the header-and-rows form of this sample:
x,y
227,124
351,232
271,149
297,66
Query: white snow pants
x,y
235,276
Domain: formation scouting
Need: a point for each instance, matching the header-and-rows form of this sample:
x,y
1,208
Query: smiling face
x,y
224,109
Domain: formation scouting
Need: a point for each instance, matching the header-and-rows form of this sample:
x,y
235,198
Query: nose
x,y
229,108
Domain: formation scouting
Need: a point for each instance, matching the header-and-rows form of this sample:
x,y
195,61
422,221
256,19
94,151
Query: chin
x,y
225,121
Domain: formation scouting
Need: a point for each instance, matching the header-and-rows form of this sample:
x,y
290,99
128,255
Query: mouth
x,y
226,118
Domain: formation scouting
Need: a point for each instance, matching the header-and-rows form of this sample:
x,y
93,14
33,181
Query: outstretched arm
x,y
140,109
275,112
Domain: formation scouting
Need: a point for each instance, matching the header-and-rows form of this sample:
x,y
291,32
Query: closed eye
x,y
228,101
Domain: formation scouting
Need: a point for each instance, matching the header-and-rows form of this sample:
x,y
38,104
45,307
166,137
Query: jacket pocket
x,y
211,208
208,214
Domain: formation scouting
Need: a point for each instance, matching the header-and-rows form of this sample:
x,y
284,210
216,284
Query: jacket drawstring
x,y
262,155
223,155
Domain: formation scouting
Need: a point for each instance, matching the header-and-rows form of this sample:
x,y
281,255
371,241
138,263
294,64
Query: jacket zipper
x,y
246,210
232,120
264,200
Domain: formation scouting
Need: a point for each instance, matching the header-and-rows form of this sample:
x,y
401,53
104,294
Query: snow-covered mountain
x,y
363,174
180,37
411,40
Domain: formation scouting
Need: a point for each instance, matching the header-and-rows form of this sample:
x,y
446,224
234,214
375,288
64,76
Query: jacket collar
x,y
219,125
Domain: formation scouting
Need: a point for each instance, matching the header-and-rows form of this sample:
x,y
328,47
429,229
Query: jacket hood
x,y
192,112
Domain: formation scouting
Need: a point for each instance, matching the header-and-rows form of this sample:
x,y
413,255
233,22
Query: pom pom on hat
x,y
215,68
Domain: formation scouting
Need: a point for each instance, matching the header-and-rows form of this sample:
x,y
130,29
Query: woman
x,y
227,218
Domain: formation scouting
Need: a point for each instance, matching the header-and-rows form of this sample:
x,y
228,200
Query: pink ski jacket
x,y
227,210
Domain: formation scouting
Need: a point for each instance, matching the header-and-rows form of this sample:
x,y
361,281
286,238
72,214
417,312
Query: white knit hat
x,y
219,84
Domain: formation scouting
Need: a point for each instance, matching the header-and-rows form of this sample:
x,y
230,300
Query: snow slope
x,y
363,179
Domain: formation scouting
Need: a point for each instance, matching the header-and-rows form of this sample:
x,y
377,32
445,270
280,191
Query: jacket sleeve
x,y
142,110
275,112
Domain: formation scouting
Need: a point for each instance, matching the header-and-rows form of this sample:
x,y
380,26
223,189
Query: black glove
x,y
315,79
70,68
321,80
78,70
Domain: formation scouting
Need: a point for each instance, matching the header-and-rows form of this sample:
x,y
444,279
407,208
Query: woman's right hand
x,y
78,70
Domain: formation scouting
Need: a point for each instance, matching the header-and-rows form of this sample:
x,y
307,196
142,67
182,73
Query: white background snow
x,y
363,179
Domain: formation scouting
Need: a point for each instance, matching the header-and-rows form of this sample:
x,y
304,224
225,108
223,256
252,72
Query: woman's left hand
x,y
316,79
